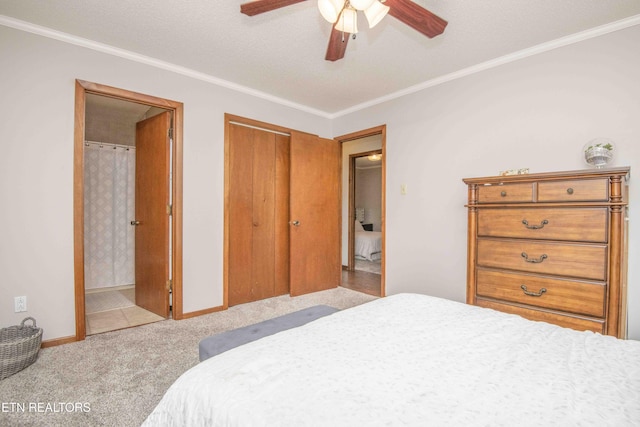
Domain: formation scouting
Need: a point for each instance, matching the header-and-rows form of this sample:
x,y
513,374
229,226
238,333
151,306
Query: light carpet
x,y
117,378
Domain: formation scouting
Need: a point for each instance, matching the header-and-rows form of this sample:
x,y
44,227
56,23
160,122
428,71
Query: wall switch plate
x,y
20,304
403,189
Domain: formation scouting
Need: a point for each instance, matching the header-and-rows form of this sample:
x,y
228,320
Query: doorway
x,y
365,196
119,133
363,234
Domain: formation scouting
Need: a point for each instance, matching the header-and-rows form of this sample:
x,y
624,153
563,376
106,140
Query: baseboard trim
x,y
67,340
58,341
201,312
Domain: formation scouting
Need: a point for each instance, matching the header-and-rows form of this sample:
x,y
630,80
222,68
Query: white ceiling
x,y
113,120
280,54
366,163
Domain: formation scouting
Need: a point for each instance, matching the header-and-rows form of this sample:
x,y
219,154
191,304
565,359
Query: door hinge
x,y
169,209
170,133
169,285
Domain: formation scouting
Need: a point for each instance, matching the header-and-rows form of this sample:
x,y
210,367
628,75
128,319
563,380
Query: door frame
x,y
82,88
352,203
382,131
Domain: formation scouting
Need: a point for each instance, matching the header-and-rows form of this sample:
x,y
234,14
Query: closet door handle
x,y
135,222
295,223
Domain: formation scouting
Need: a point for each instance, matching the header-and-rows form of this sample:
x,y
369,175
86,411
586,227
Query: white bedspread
x,y
368,244
413,360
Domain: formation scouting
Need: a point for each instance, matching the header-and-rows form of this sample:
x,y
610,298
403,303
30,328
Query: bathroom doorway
x,y
127,210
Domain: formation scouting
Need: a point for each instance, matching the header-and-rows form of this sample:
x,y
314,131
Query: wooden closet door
x,y
315,206
257,197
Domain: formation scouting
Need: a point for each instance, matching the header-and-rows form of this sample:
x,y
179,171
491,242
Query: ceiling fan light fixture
x,y
361,4
330,9
348,21
342,14
375,12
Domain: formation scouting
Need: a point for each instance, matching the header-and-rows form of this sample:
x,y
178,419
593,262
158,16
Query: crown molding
x,y
147,60
133,56
541,48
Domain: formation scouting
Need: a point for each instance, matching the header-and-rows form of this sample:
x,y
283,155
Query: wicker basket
x,y
19,346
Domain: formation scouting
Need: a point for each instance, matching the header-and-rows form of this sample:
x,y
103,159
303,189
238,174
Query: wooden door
x,y
152,214
315,214
258,214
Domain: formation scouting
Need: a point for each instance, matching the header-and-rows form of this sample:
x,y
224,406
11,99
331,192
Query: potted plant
x,y
598,152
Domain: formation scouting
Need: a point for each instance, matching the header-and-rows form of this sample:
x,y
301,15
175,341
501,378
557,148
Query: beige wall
x,y
369,194
534,113
36,170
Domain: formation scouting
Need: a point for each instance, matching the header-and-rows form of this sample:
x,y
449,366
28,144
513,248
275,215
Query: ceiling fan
x,y
343,13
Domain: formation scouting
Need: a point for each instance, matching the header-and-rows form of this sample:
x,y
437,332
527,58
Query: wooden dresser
x,y
551,247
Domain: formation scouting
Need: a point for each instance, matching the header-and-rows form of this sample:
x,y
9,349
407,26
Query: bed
x,y
415,360
368,244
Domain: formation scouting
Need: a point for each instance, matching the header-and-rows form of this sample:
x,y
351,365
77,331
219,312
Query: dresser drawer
x,y
566,321
507,193
577,224
558,294
563,259
573,191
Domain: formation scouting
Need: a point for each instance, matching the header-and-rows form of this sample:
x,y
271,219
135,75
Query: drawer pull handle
x,y
535,261
533,294
534,227
570,190
503,193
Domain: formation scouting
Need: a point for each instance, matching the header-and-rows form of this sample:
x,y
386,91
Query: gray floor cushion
x,y
222,342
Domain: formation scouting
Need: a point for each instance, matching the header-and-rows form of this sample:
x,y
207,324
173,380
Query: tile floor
x,y
119,316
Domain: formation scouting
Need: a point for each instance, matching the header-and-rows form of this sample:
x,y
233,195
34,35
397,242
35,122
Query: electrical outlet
x,y
403,189
20,304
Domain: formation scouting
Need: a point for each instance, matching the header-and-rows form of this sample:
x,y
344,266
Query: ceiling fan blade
x,y
262,6
337,45
416,17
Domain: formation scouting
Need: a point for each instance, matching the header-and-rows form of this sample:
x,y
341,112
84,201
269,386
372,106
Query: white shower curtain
x,y
109,198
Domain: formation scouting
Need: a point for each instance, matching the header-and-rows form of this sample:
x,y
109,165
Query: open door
x,y
152,213
315,214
